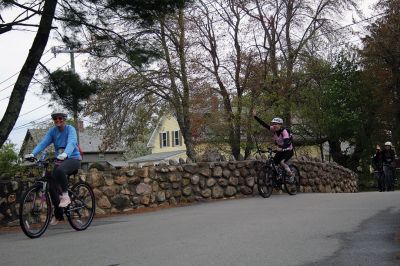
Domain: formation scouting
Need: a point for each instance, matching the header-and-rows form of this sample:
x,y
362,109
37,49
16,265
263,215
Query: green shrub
x,y
9,161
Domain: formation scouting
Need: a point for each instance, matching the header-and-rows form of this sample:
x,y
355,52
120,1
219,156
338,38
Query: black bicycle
x,y
272,176
35,210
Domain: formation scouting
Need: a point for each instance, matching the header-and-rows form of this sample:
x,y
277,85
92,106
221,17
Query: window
x,y
164,139
101,156
176,138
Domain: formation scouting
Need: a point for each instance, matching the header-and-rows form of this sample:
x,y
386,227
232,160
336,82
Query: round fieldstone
x,y
187,191
217,172
134,180
97,193
185,182
143,189
145,200
104,203
205,172
206,193
165,185
191,168
110,191
217,192
226,173
120,180
250,181
233,181
120,201
161,196
222,182
246,190
211,182
143,172
230,191
195,179
95,178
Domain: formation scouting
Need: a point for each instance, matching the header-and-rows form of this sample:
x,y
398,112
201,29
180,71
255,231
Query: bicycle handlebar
x,y
42,161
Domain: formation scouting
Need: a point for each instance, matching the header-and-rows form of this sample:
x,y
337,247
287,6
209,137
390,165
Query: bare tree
x,y
167,78
226,57
286,28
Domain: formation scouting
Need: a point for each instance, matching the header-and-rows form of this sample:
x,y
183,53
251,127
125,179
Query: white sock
x,y
65,194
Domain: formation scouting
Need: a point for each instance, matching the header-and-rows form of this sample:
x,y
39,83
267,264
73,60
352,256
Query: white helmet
x,y
277,120
58,113
388,143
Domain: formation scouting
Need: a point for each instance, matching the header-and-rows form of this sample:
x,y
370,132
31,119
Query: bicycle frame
x,y
278,178
270,159
79,212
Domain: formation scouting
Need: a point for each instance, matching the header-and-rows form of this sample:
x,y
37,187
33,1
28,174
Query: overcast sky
x,y
14,48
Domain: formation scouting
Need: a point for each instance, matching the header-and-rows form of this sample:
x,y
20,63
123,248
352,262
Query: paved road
x,y
307,229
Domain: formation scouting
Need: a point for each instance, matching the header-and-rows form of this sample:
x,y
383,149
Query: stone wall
x,y
168,185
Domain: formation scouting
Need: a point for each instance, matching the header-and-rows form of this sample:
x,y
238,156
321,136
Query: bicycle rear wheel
x,y
264,183
34,211
291,185
81,211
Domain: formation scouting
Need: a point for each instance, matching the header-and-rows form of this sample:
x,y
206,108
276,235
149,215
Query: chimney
x,y
214,103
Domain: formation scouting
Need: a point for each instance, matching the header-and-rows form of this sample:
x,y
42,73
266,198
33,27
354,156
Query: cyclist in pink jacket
x,y
282,139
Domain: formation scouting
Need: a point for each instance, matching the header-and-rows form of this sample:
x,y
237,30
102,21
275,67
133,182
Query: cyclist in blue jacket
x,y
64,139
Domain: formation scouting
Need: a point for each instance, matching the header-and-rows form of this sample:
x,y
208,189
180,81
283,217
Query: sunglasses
x,y
59,118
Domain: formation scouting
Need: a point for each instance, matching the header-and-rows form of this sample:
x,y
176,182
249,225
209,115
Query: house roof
x,y
89,140
92,140
157,156
153,136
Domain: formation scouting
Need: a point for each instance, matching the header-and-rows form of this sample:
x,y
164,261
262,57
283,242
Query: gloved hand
x,y
62,156
29,157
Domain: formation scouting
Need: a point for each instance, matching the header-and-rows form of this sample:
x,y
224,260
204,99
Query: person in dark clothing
x,y
283,141
377,165
389,165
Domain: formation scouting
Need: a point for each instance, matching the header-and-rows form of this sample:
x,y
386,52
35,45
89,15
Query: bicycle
x,y
35,210
274,176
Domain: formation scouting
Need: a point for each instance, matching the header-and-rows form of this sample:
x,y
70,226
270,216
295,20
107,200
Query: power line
x,y
37,81
33,110
13,75
19,72
28,124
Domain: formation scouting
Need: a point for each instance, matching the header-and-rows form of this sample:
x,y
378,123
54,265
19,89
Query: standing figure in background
x,y
389,165
377,165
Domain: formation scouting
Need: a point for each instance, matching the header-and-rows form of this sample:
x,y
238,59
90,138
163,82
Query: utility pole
x,y
60,50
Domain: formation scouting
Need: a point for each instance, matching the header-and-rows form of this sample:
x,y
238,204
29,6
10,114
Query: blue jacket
x,y
65,141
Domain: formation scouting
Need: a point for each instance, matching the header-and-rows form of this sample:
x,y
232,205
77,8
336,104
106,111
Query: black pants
x,y
380,178
282,155
59,182
389,177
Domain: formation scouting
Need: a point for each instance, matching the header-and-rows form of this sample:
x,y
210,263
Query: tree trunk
x,y
76,122
28,70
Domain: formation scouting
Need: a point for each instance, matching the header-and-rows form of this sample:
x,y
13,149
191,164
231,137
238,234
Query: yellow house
x,y
166,143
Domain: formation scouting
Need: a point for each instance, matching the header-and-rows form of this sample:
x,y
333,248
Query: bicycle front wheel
x,y
34,211
291,184
264,183
81,211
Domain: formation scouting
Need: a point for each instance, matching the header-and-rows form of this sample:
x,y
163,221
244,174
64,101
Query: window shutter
x,y
160,135
180,138
168,139
173,138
